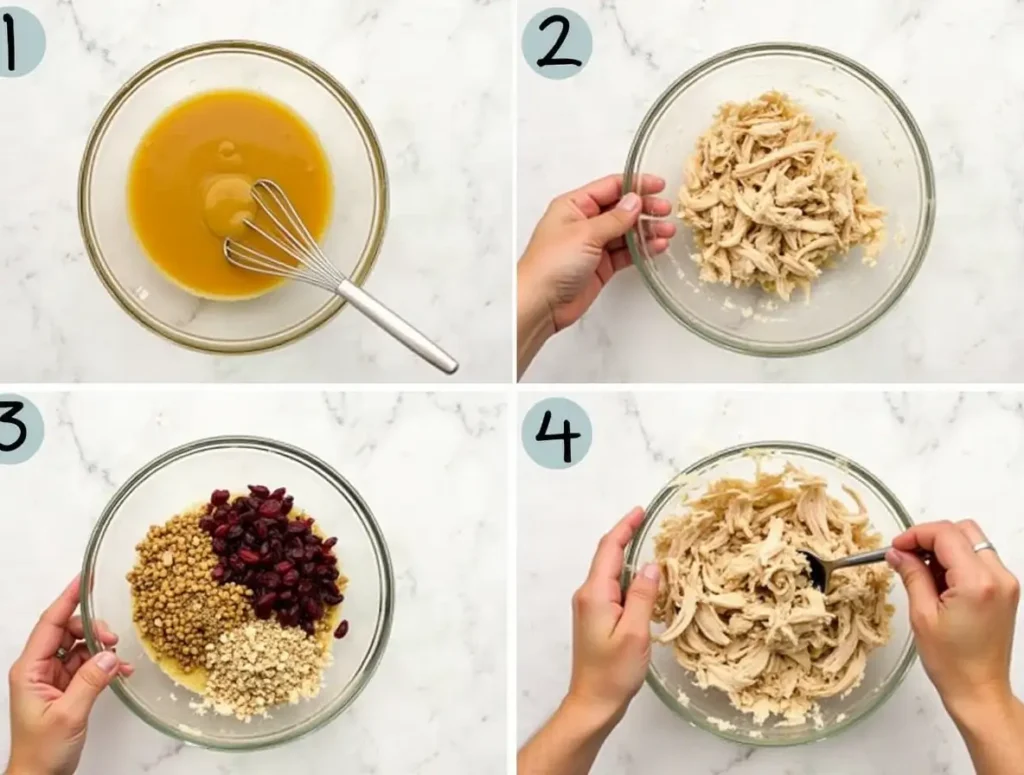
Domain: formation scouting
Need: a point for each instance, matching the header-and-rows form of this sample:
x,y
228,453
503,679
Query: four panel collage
x,y
492,386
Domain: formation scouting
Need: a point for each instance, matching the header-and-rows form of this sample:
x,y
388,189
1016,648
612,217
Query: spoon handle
x,y
864,558
397,326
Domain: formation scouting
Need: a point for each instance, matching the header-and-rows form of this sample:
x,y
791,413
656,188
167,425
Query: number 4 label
x,y
557,433
557,43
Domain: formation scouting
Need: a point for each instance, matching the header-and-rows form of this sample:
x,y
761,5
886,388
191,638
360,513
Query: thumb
x,y
924,597
617,221
640,599
89,680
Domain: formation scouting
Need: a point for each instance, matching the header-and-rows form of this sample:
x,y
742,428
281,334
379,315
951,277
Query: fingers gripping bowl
x,y
885,666
170,484
873,129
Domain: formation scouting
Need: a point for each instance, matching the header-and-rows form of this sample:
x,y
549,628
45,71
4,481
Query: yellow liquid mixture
x,y
189,187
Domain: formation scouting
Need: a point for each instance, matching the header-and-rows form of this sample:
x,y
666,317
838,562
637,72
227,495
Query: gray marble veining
x,y
955,66
945,456
436,83
432,467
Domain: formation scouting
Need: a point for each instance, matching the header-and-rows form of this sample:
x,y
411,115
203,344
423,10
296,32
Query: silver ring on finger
x,y
62,654
982,546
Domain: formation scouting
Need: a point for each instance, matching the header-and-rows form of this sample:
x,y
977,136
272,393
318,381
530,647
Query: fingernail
x,y
107,661
651,572
894,558
629,202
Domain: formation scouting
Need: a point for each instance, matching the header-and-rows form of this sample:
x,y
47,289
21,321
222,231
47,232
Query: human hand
x,y
612,637
576,249
50,697
962,609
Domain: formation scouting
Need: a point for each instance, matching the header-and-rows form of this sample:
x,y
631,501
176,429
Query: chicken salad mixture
x,y
737,603
771,201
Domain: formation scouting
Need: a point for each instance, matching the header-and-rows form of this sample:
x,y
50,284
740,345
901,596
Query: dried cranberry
x,y
219,497
291,578
250,539
270,580
330,559
207,525
312,608
278,494
218,573
221,530
284,566
296,527
266,600
249,557
313,539
234,532
308,568
236,563
260,526
286,504
330,542
308,628
330,588
220,546
286,596
304,587
342,630
259,490
249,577
270,508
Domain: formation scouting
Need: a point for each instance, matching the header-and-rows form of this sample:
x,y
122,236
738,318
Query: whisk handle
x,y
397,326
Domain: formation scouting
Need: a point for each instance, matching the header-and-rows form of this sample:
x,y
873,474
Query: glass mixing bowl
x,y
185,476
356,225
710,709
873,128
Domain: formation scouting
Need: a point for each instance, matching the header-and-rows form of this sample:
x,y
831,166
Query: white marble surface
x,y
944,455
434,78
955,66
432,468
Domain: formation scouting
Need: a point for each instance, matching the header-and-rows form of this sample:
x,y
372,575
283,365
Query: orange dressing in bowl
x,y
189,187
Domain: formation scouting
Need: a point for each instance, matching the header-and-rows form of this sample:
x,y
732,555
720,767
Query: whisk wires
x,y
290,235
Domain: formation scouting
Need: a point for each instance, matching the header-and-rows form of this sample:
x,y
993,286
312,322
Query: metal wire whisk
x,y
292,237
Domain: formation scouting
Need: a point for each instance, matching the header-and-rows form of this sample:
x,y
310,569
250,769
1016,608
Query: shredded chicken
x,y
737,603
771,201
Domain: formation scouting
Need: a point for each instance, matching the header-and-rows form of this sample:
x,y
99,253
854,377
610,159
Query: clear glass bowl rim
x,y
137,311
820,454
386,579
918,253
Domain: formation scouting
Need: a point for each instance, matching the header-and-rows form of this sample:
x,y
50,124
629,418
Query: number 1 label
x,y
22,42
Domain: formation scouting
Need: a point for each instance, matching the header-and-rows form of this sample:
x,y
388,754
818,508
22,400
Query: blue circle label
x,y
557,433
557,43
22,42
21,429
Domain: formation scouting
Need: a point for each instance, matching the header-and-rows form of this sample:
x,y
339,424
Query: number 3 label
x,y
21,429
557,433
557,43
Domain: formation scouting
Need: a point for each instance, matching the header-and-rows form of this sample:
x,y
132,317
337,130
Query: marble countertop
x,y
437,702
434,79
959,322
944,455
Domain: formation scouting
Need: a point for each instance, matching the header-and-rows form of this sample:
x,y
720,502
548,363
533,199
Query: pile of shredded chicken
x,y
737,601
771,201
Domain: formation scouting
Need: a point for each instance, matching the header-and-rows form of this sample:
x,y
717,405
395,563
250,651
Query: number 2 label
x,y
557,43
